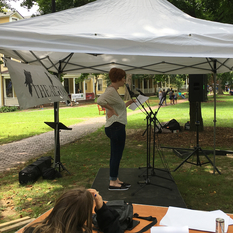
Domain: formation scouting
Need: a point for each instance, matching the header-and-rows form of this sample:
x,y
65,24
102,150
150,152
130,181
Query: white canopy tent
x,y
150,36
141,37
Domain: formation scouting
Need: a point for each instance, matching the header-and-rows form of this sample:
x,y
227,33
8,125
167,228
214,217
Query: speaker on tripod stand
x,y
197,94
197,88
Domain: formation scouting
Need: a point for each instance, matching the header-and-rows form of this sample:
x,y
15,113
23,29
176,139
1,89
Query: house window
x,y
9,88
100,84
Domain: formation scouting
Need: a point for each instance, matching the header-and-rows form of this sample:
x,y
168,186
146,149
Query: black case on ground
x,y
33,171
43,163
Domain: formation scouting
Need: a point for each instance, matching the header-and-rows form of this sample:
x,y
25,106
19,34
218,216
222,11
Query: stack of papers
x,y
139,101
182,218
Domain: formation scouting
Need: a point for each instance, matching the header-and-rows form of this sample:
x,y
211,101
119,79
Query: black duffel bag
x,y
32,172
29,174
172,125
43,163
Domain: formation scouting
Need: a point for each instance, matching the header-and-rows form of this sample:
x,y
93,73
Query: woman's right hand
x,y
97,198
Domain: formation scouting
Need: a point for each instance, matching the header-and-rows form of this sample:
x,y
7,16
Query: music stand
x,y
151,120
57,126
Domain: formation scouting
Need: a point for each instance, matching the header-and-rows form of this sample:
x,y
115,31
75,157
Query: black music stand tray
x,y
57,126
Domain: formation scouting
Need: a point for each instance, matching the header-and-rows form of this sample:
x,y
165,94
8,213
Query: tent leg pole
x,y
56,134
214,73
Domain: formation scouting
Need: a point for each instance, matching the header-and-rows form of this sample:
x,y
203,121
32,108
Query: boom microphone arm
x,y
140,91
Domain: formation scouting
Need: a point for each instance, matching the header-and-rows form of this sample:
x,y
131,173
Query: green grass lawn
x,y
199,188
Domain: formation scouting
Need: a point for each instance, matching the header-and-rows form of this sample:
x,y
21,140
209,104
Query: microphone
x,y
131,93
140,92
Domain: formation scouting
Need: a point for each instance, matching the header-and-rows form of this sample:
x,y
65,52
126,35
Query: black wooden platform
x,y
150,194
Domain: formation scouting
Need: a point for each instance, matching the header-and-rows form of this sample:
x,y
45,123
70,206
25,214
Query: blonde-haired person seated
x,y
72,213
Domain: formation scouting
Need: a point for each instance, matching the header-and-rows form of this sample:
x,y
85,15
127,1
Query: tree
x,y
178,80
129,78
193,8
4,5
226,79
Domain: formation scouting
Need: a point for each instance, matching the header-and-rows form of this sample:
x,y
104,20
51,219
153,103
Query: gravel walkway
x,y
15,153
21,151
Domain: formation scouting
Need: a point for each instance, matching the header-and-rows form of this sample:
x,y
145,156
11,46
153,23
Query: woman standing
x,y
116,119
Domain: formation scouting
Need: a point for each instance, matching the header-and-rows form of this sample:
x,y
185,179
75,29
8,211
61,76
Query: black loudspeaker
x,y
197,88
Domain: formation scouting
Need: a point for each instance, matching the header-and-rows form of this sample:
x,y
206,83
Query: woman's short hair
x,y
116,74
72,213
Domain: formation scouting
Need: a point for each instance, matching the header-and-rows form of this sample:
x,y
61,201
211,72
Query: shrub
x,y
8,109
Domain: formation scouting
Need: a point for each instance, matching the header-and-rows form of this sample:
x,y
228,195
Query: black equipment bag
x,y
172,125
50,173
29,174
43,163
125,211
32,172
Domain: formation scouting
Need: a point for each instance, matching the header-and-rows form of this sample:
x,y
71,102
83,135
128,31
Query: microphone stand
x,y
151,118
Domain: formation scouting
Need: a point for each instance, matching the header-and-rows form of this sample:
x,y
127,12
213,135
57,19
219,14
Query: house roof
x,y
11,13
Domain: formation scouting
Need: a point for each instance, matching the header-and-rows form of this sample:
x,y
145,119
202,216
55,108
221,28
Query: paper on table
x,y
140,100
194,219
221,214
183,229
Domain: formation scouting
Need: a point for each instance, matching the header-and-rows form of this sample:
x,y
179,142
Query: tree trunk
x,y
220,90
195,116
128,81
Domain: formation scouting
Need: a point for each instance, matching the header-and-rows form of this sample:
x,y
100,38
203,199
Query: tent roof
x,y
149,36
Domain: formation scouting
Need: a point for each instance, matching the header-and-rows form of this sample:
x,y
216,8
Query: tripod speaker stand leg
x,y
197,149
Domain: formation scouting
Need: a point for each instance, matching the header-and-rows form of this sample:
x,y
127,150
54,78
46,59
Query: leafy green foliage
x,y
214,10
8,109
191,7
178,80
226,79
4,4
